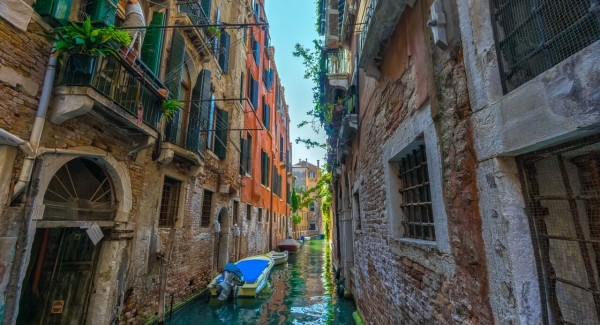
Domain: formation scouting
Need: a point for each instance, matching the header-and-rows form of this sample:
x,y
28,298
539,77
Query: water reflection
x,y
299,292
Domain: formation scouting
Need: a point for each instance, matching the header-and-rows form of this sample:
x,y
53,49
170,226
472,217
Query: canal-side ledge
x,y
154,319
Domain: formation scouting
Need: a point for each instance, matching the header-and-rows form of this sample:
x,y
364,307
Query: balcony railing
x,y
190,14
127,81
338,62
184,130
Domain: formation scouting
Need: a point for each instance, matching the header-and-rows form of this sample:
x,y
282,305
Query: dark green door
x,y
59,277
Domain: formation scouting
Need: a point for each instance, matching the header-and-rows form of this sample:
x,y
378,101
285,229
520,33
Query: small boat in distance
x,y
279,257
255,271
289,244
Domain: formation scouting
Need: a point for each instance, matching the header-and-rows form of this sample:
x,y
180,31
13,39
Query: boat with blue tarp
x,y
245,278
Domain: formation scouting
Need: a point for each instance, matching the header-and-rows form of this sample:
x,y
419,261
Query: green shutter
x,y
243,156
206,7
102,12
194,139
221,133
55,12
175,64
224,54
151,49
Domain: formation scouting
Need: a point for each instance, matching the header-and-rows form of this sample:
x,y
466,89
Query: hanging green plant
x,y
214,31
84,38
170,107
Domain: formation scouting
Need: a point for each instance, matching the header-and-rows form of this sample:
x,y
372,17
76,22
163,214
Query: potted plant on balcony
x,y
170,107
213,31
82,43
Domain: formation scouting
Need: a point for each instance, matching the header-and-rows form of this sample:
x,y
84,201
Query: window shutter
x,y
242,88
102,12
153,42
211,123
256,49
206,8
54,12
224,55
255,93
215,38
221,133
194,136
175,64
205,97
243,156
268,117
175,67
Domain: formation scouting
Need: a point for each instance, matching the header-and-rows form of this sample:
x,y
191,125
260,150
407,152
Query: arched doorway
x,y
64,254
222,252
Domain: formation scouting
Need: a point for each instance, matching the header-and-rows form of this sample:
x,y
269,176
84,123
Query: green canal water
x,y
299,292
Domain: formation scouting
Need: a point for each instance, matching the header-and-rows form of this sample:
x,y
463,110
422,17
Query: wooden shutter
x,y
221,133
195,136
175,68
243,156
102,12
205,75
255,93
211,123
268,117
151,48
175,64
242,88
206,7
224,55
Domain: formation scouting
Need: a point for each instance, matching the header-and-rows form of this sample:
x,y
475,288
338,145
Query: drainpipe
x,y
31,148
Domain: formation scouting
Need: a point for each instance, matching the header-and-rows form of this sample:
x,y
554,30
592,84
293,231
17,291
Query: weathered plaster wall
x,y
558,105
403,281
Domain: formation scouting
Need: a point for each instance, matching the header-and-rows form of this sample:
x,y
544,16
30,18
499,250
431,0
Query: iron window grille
x,y
206,208
416,195
534,35
169,206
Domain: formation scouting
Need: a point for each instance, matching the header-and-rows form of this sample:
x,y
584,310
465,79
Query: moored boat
x,y
289,244
279,257
255,271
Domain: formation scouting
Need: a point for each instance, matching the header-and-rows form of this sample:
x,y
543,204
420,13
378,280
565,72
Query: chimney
x,y
299,160
317,163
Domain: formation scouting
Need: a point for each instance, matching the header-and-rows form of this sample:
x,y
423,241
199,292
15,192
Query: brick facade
x,y
140,265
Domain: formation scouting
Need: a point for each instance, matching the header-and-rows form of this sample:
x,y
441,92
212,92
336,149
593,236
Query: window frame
x,y
421,129
205,220
176,220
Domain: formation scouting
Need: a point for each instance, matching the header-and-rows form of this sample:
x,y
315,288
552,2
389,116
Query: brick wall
x,y
418,283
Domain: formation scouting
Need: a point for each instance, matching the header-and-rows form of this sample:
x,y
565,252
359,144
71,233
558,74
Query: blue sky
x,y
291,22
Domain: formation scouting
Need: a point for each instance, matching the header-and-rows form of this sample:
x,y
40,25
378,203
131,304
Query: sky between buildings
x,y
291,22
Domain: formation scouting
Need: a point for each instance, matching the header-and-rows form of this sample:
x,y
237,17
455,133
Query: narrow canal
x,y
299,292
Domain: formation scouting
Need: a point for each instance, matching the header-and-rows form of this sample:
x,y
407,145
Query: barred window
x,y
416,197
532,36
206,208
169,205
259,215
248,212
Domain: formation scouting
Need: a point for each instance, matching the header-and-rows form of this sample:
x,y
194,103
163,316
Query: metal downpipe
x,y
38,126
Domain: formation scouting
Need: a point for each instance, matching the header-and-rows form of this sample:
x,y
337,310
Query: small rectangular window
x,y
248,212
416,197
236,211
533,37
260,211
206,208
169,205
